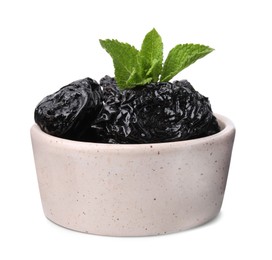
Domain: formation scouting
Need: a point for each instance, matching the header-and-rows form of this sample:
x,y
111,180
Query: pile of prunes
x,y
158,112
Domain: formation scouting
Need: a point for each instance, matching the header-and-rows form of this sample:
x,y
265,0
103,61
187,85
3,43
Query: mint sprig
x,y
182,56
124,58
151,56
139,67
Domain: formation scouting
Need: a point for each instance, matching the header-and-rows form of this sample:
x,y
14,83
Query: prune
x,y
69,112
158,112
111,105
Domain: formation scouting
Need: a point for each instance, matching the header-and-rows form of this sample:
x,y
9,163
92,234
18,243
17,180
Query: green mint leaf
x,y
180,57
151,56
124,58
133,67
136,80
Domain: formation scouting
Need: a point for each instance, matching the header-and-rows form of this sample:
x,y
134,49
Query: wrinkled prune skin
x,y
69,112
158,112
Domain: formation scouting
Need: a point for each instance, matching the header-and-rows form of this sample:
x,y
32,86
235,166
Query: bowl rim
x,y
226,125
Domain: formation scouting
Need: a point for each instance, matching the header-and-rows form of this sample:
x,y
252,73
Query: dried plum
x,y
157,112
69,112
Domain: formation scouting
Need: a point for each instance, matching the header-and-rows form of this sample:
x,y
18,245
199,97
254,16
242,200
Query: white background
x,y
45,45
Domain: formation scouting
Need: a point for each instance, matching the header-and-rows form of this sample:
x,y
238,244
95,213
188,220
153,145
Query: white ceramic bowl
x,y
132,190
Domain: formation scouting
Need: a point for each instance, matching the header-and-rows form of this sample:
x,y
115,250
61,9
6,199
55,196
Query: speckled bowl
x,y
132,190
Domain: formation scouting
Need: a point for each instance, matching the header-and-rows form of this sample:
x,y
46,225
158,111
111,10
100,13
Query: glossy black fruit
x,y
158,112
69,112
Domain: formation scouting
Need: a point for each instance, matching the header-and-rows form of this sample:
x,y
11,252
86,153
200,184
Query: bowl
x,y
133,189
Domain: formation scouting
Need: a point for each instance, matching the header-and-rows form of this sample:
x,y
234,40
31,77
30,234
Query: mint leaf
x,y
180,57
151,56
133,67
124,58
136,80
